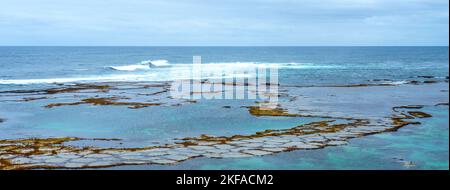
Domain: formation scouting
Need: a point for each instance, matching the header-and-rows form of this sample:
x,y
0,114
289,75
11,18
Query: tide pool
x,y
418,147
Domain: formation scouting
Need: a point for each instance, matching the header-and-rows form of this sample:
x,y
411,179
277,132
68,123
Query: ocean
x,y
300,65
117,99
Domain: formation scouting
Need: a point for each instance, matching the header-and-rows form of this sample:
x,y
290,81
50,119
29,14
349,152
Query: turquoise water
x,y
137,127
426,146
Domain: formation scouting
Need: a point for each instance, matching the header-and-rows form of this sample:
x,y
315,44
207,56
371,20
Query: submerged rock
x,y
257,152
275,150
300,145
426,76
235,155
100,163
336,143
74,165
163,161
176,157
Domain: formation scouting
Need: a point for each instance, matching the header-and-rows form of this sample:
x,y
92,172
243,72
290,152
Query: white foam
x,y
160,72
130,67
397,82
158,63
118,78
143,65
106,78
242,65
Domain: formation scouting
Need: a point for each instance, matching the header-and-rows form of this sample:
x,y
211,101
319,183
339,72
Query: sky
x,y
224,22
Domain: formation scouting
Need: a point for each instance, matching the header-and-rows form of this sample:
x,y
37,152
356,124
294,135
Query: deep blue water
x,y
298,65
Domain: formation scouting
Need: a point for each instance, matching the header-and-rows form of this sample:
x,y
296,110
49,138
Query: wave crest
x,y
143,65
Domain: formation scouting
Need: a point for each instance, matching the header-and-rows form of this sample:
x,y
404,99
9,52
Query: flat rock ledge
x,y
52,153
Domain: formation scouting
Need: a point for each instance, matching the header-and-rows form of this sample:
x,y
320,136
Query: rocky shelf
x,y
52,153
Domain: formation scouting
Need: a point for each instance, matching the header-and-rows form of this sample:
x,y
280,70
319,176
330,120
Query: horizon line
x,y
224,45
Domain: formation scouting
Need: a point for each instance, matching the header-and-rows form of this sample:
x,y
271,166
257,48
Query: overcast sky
x,y
224,22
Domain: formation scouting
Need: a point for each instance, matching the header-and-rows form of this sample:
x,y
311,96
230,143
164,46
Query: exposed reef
x,y
105,102
53,153
442,104
33,99
262,111
419,114
65,89
383,82
408,107
338,124
341,86
426,76
133,95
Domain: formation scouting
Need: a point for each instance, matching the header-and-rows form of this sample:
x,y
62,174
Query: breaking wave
x,y
162,70
147,65
105,78
143,65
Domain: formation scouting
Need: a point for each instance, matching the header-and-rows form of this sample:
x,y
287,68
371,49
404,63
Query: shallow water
x,y
425,145
138,127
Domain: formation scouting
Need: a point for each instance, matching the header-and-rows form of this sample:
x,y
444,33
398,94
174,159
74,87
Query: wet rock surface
x,y
52,153
105,102
419,114
339,123
132,95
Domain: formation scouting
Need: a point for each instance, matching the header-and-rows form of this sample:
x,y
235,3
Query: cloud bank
x,y
224,22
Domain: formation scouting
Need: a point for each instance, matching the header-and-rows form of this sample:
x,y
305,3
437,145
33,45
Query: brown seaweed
x,y
419,114
105,102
